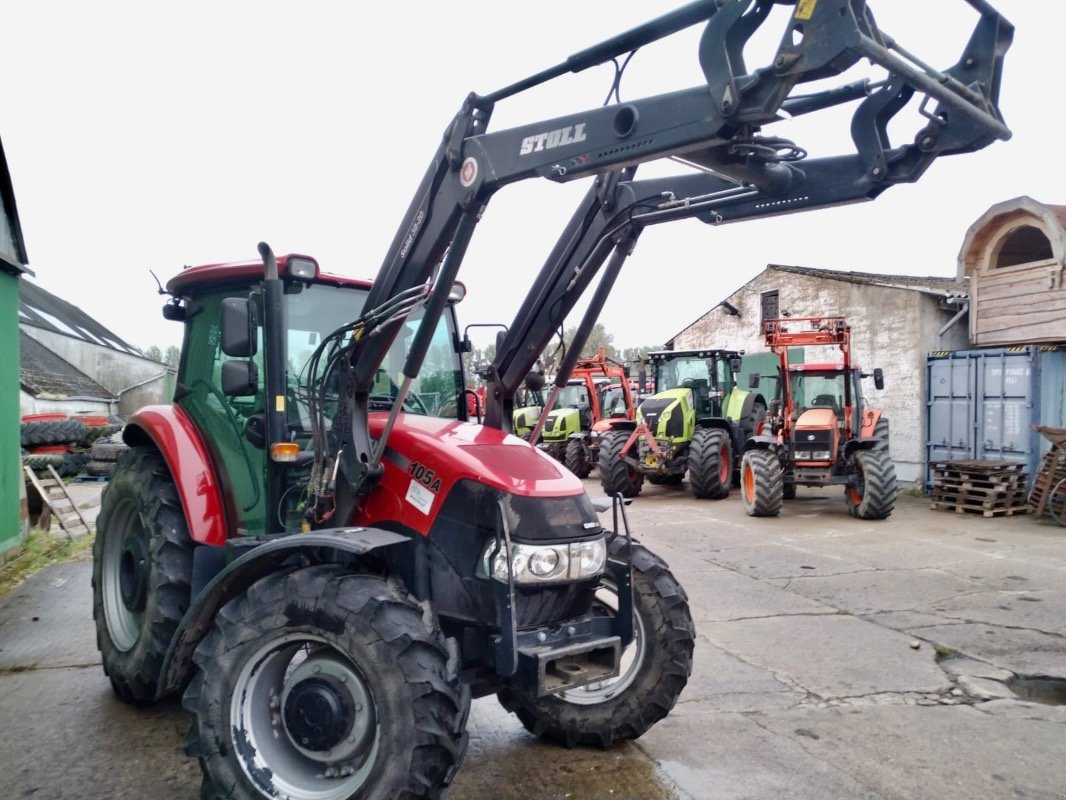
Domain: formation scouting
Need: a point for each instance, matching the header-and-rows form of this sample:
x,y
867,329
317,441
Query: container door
x,y
951,381
1004,386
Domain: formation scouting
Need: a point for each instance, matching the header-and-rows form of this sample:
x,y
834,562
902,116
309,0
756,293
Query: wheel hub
x,y
133,573
319,712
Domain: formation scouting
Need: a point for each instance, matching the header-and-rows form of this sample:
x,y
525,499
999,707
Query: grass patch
x,y
914,491
40,549
943,652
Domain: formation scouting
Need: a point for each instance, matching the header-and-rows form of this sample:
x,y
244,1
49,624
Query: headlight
x,y
813,455
546,563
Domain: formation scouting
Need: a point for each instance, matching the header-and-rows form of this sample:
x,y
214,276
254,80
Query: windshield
x,y
613,401
676,372
817,390
573,395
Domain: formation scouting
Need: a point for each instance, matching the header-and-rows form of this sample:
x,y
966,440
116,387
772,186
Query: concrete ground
x,y
836,659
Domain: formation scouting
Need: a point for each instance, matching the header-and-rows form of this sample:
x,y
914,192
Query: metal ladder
x,y
58,503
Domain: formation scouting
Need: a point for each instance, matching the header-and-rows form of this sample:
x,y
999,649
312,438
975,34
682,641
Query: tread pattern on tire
x,y
705,456
616,476
142,478
657,686
577,459
881,432
762,497
402,635
879,486
59,431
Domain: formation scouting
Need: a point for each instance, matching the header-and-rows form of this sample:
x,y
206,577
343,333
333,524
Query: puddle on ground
x,y
1049,691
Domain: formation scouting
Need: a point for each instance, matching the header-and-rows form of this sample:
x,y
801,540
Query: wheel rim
x,y
629,665
303,716
124,576
725,468
857,489
749,483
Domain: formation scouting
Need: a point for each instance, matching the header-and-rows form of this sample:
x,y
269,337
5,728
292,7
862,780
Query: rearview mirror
x,y
879,378
534,381
239,378
753,380
238,323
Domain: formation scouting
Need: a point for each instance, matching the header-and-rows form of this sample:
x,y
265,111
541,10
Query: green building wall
x,y
10,436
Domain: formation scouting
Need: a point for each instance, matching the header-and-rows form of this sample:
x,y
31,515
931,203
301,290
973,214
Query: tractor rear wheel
x,y
881,433
142,568
710,464
616,476
577,458
654,669
871,494
761,483
317,684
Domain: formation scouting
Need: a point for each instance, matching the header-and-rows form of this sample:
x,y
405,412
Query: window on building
x,y
771,307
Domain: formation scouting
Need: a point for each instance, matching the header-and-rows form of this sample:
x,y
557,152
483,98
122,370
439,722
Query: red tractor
x,y
595,399
317,545
821,430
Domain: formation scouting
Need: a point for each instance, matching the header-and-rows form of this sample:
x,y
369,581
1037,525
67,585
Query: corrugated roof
x,y
44,374
43,309
943,287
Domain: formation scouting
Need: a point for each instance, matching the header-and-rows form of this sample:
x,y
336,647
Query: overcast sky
x,y
150,136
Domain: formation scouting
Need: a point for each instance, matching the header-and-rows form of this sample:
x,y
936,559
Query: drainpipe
x,y
952,322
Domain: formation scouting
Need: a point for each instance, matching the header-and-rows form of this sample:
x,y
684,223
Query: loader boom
x,y
714,127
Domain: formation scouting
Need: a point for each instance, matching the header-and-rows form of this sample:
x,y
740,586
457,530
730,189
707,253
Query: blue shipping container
x,y
982,403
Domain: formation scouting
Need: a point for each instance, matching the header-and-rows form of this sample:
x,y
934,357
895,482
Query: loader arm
x,y
714,126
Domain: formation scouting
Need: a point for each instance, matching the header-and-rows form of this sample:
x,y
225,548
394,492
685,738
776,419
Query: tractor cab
x,y
228,352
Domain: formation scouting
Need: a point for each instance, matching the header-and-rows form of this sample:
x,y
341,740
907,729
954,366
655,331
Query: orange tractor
x,y
593,401
820,430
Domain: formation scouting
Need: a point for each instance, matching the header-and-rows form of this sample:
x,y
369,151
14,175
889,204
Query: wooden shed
x,y
1014,257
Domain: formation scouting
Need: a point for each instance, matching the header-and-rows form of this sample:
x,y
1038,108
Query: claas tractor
x,y
820,430
695,422
593,402
317,547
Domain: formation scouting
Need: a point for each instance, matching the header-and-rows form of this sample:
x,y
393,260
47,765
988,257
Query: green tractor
x,y
696,422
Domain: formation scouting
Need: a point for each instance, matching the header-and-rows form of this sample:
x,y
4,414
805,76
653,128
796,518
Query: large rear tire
x,y
655,667
872,491
142,568
881,433
577,458
761,483
710,463
318,684
616,476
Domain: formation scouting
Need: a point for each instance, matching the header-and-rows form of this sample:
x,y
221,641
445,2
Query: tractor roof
x,y
668,355
208,275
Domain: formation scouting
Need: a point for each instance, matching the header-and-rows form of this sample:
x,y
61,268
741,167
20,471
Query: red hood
x,y
464,450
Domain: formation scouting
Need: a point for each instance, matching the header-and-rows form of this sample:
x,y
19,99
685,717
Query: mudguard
x,y
258,562
178,440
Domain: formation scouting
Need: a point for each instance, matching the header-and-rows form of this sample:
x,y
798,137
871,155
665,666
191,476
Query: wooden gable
x,y
1014,257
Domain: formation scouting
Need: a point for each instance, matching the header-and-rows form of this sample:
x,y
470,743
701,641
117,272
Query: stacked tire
x,y
54,440
103,455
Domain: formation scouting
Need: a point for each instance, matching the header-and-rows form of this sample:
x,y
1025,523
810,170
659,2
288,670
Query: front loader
x,y
317,546
820,430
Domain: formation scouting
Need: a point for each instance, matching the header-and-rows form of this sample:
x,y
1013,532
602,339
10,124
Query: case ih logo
x,y
552,139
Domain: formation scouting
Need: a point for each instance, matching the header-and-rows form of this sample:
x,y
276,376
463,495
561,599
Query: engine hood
x,y
559,423
817,418
455,451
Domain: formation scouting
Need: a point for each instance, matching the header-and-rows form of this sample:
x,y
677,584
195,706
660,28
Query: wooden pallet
x,y
989,488
1051,473
57,503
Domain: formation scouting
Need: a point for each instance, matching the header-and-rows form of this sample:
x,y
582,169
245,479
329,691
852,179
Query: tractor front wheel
x,y
142,569
577,458
761,483
654,668
710,464
871,493
616,476
317,684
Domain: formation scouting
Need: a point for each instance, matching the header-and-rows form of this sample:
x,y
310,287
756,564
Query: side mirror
x,y
535,382
239,378
879,378
238,322
735,365
174,311
753,380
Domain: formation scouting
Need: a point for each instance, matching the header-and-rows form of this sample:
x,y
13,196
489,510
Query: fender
x,y
715,422
863,443
761,442
260,561
178,440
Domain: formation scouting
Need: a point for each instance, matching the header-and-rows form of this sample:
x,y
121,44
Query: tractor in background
x,y
695,422
820,429
596,399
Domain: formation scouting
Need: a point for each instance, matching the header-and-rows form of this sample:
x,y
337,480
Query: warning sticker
x,y
805,9
420,497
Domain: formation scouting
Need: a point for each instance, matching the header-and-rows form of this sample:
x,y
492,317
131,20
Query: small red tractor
x,y
318,546
820,429
596,397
